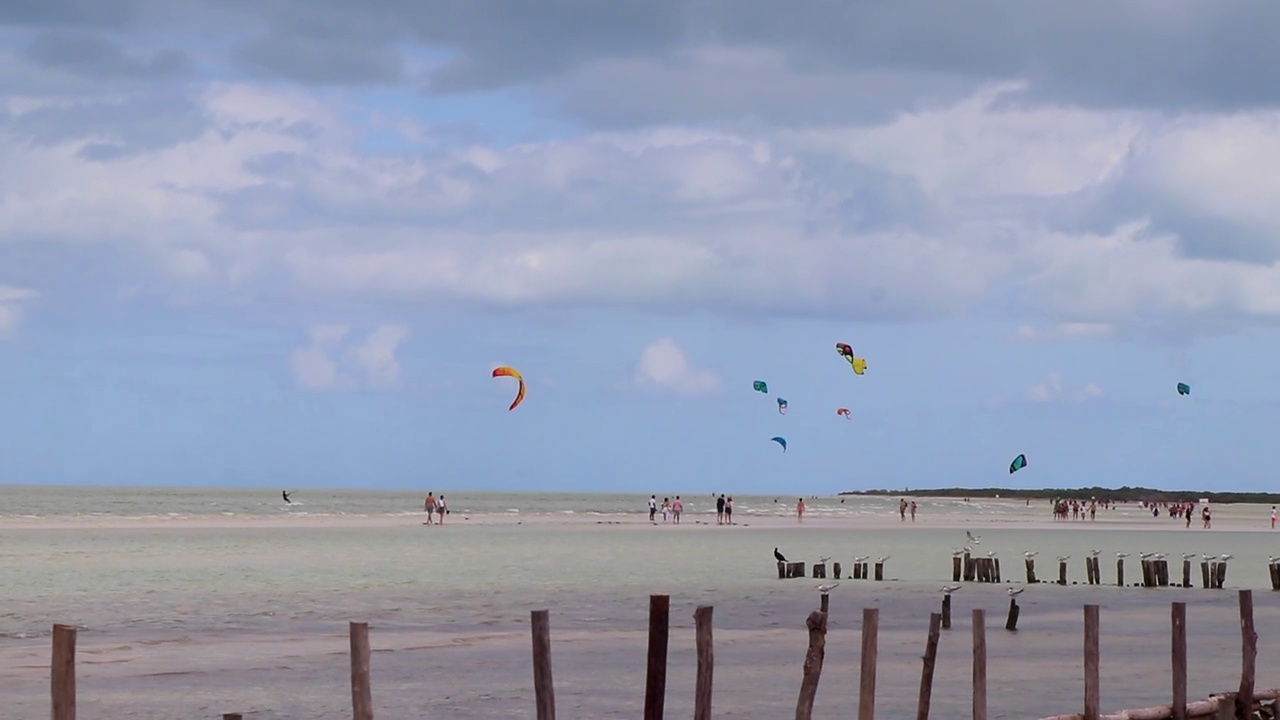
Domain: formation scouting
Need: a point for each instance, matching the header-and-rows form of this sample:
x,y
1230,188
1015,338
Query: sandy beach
x,y
196,616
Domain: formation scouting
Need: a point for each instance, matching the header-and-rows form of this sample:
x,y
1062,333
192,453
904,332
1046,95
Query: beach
x,y
187,608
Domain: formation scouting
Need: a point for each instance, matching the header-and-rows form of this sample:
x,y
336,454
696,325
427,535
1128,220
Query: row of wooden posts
x,y
1224,706
859,570
1155,572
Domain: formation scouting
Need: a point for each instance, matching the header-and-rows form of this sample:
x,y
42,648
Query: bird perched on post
x,y
1014,592
948,589
778,556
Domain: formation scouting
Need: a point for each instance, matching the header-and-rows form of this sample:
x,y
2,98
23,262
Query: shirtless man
x,y
430,507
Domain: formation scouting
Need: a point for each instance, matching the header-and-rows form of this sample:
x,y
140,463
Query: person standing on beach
x,y
728,511
799,509
1273,517
653,507
430,507
666,510
441,509
720,509
677,507
913,511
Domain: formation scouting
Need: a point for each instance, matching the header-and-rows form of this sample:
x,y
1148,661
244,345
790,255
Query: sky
x,y
283,243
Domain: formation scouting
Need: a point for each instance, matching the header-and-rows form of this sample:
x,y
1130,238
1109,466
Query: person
x,y
677,507
902,509
913,511
1208,520
728,511
720,509
666,510
653,507
430,507
799,509
441,509
285,494
1273,517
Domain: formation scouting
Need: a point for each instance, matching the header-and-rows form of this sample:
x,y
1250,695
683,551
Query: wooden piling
x,y
1031,571
1092,695
1274,569
879,571
1222,574
817,624
1179,660
835,570
996,563
782,570
706,662
969,570
955,568
62,673
543,690
857,570
820,570
865,567
361,691
1012,622
1186,573
946,611
1146,574
1204,573
1088,570
655,684
867,676
1162,573
979,664
1062,572
930,659
1249,655
1120,572
232,716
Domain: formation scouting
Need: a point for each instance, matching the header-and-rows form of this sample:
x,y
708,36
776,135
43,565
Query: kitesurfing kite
x,y
858,364
781,441
1017,464
844,412
505,371
782,406
760,386
1184,389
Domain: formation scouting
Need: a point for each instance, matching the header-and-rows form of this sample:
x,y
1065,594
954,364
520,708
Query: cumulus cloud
x,y
1052,390
957,161
323,365
664,366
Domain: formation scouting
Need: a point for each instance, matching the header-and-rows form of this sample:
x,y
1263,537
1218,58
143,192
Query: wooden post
x,y
996,562
835,570
930,659
231,716
1222,575
1179,642
1274,569
543,690
1012,622
820,570
824,602
1088,570
864,570
62,672
1062,572
1226,707
1031,571
361,692
1120,572
879,571
1204,573
1249,654
955,568
706,662
817,624
1092,698
655,685
979,664
1186,573
1163,573
867,684
946,611
782,570
1146,573
968,567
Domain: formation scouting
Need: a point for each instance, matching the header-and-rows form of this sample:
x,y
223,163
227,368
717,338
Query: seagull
x,y
824,558
881,560
1158,556
1122,554
1095,553
1225,557
1063,558
1028,554
827,587
1188,556
975,539
991,553
1145,556
948,589
957,553
777,555
1273,559
862,559
1207,557
1013,592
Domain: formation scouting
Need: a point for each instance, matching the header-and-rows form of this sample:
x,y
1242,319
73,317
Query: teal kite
x,y
782,406
760,386
781,441
1017,464
1184,389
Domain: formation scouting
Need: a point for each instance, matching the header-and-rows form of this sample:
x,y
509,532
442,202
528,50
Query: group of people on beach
x,y
435,506
672,510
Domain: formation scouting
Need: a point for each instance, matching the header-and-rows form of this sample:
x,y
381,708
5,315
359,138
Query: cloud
x,y
1065,331
664,366
12,300
316,367
1052,390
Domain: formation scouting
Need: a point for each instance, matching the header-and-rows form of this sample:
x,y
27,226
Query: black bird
x,y
285,495
778,555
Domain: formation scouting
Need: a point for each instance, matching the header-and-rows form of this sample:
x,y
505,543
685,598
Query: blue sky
x,y
284,244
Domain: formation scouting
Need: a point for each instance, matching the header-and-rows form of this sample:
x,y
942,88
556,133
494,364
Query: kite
x,y
1017,464
1184,389
760,386
782,406
858,364
512,372
781,441
844,412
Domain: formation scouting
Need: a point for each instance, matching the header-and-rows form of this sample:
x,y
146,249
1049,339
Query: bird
x,y
1145,556
1158,556
1028,554
862,559
1122,554
957,553
1273,559
1063,558
1095,553
827,587
975,539
1013,592
948,589
1188,556
882,559
778,555
824,558
991,553
1225,557
1206,557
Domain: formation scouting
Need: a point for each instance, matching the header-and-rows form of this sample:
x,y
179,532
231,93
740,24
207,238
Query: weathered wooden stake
x,y
824,602
1031,571
930,659
1249,654
1186,573
1092,696
63,673
361,691
1012,622
879,571
996,562
1162,573
817,624
1146,574
1222,574
979,664
1226,707
782,570
706,662
867,684
835,570
955,568
1062,572
820,570
1179,647
946,611
232,716
1274,569
655,684
1120,572
543,690
968,567
1204,573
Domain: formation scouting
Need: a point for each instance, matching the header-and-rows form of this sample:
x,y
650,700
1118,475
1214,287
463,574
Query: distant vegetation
x,y
1121,494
